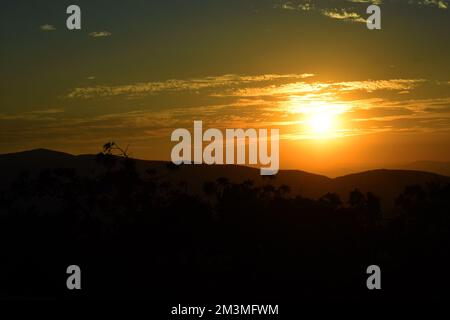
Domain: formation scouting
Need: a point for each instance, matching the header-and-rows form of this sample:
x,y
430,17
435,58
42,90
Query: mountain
x,y
440,167
386,184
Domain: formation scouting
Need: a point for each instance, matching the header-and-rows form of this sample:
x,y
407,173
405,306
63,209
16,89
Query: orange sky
x,y
344,97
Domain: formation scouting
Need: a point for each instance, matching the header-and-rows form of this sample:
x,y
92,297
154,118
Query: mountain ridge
x,y
385,183
395,168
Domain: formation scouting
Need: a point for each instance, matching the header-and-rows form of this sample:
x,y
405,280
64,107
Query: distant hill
x,y
440,167
386,184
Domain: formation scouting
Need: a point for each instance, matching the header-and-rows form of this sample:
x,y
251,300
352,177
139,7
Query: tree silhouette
x,y
332,200
356,199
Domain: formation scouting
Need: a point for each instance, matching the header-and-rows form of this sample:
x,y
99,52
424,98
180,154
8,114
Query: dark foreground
x,y
141,237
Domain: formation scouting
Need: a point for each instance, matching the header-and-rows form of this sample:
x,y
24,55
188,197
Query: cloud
x,y
343,14
47,27
305,6
268,100
304,88
367,1
100,34
345,10
372,85
177,85
441,4
237,101
287,6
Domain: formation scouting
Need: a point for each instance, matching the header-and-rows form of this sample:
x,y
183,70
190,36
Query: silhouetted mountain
x,y
440,167
387,184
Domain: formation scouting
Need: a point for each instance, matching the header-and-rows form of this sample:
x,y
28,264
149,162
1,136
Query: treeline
x,y
136,236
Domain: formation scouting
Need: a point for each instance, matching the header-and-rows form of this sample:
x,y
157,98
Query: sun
x,y
319,119
321,123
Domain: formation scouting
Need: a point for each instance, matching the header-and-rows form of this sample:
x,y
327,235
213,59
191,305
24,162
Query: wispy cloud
x,y
350,10
343,14
304,88
284,101
176,85
261,100
100,34
372,85
47,27
303,6
367,1
441,4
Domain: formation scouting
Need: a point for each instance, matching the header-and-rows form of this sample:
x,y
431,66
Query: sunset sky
x,y
342,96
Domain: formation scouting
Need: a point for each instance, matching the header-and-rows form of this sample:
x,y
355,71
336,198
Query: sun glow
x,y
321,123
320,119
